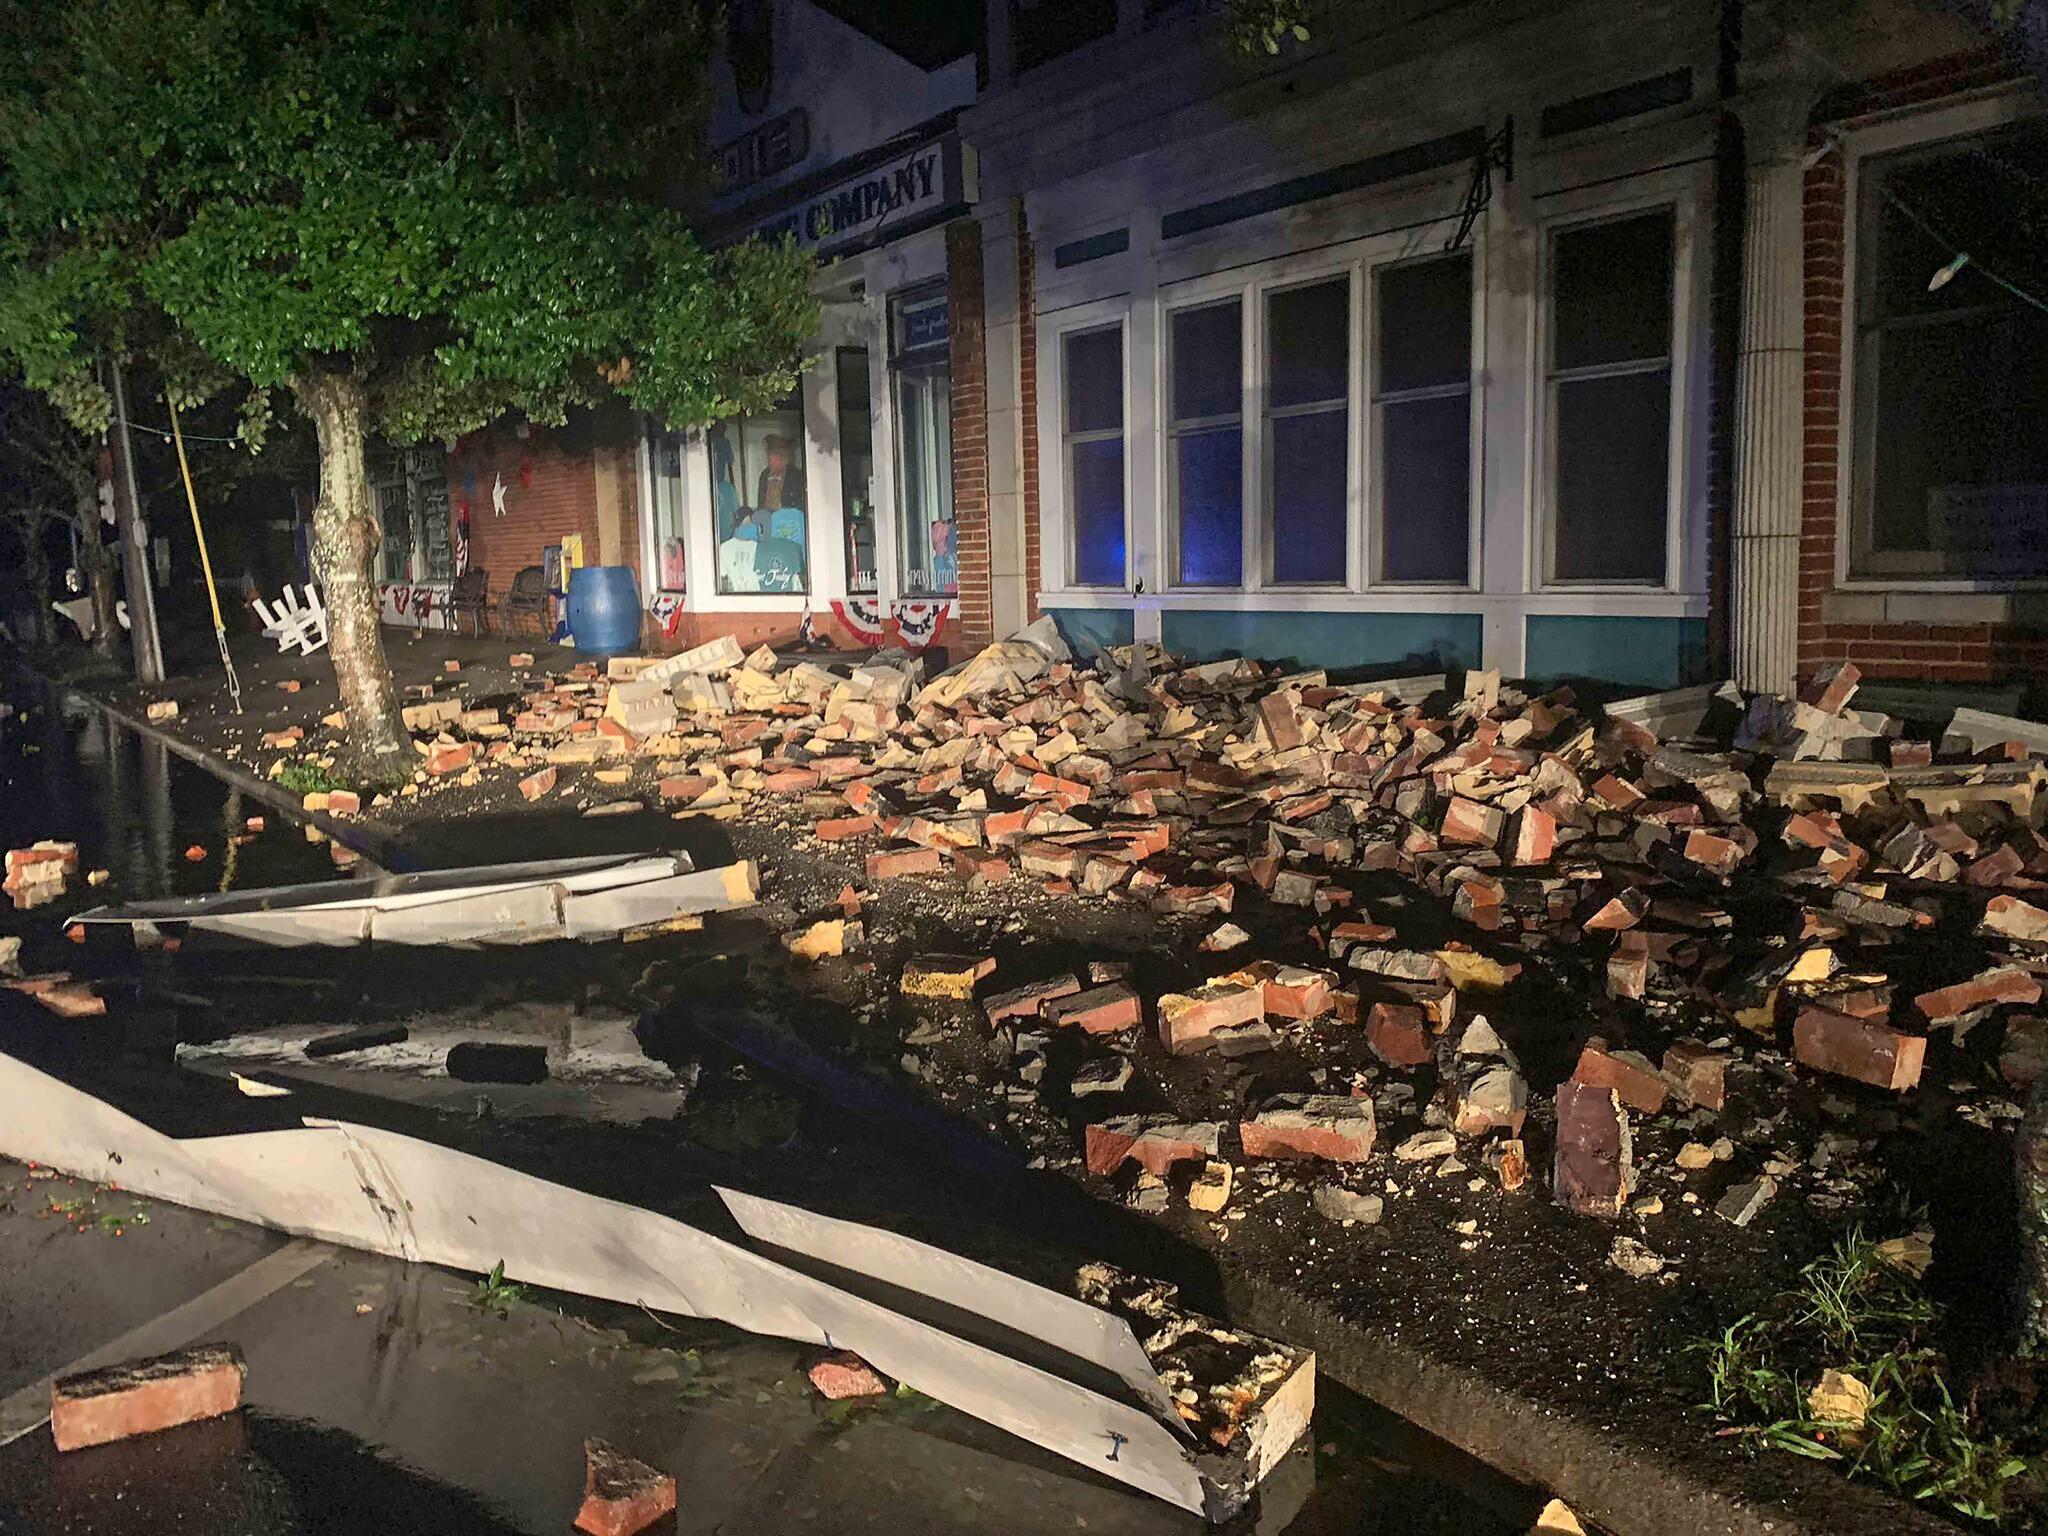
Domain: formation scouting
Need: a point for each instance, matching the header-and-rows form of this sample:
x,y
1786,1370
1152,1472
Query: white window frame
x,y
1056,489
1360,261
1172,428
1685,192
1375,458
1999,108
1261,572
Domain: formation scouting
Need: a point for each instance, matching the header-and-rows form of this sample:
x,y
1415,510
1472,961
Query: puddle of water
x,y
134,808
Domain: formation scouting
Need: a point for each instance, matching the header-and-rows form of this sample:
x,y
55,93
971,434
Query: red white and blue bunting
x,y
912,623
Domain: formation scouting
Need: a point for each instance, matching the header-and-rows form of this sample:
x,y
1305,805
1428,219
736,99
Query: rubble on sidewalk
x,y
1198,1413
621,1496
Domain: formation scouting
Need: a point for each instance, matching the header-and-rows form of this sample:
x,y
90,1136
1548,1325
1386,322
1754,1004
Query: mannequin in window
x,y
945,560
782,478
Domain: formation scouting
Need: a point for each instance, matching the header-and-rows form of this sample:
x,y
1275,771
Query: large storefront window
x,y
920,377
760,506
410,488
1423,395
857,470
665,454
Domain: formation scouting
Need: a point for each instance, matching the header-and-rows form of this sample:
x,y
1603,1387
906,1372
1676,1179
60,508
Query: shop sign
x,y
901,192
762,152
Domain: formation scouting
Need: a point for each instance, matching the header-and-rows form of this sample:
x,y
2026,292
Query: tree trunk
x,y
98,566
2030,1167
345,544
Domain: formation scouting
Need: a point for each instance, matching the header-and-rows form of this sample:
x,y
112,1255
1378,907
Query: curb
x,y
378,850
1627,1490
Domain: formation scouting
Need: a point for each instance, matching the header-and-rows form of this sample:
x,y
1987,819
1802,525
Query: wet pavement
x,y
379,1398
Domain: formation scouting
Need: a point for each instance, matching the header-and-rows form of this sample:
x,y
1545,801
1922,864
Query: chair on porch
x,y
527,594
470,594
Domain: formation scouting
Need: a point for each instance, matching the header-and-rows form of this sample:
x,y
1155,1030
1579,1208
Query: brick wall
x,y
562,498
1027,376
968,359
1933,652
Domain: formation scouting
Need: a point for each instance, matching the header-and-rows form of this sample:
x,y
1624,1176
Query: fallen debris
x,y
621,1496
146,1397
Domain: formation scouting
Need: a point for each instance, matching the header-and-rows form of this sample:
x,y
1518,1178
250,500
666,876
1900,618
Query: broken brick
x,y
944,976
1099,1010
1029,1000
897,863
1594,1170
534,785
839,829
843,1375
1188,1019
1696,1074
145,1397
1155,1143
1863,1049
621,1496
1398,1034
1634,1080
1331,1127
2001,984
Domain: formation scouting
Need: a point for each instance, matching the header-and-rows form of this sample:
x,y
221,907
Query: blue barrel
x,y
604,608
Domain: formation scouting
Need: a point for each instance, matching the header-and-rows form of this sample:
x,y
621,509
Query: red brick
x,y
843,1374
1099,1010
1469,824
2003,984
344,802
1636,1081
1696,1074
1863,1049
1154,1144
839,829
1329,1127
1398,1034
1188,1019
1029,1000
146,1396
896,863
621,1496
450,759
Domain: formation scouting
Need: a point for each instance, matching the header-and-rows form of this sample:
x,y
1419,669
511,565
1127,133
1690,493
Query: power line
x,y
190,437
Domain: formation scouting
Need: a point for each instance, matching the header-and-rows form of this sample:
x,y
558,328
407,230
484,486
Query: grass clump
x,y
307,778
1860,1315
495,1294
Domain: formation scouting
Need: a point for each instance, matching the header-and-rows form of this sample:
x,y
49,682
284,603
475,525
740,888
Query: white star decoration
x,y
498,495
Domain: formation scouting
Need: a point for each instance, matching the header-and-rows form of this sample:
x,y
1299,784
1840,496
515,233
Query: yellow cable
x,y
192,501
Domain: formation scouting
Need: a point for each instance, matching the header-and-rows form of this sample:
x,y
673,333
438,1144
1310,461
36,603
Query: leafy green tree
x,y
407,216
50,476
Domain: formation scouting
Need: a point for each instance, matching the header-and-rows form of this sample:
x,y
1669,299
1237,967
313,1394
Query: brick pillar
x,y
973,624
1027,389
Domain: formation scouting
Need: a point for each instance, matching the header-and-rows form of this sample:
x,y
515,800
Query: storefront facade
x,y
850,510
1396,358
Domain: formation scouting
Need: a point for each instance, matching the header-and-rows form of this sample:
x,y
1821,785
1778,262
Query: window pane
x,y
1098,501
1208,361
1968,192
924,414
665,455
1613,466
1611,291
1308,343
1209,484
1309,493
1961,449
857,468
759,503
1425,324
1095,381
1426,500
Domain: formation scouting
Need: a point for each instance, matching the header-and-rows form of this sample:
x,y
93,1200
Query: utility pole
x,y
142,630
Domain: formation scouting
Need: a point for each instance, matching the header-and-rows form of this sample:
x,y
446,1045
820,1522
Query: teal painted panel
x,y
1390,643
1642,652
1088,630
